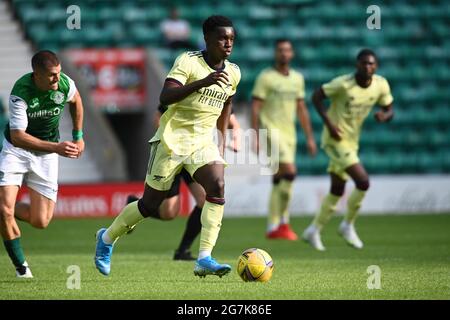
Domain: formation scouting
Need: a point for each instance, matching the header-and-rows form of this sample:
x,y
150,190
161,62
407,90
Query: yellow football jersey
x,y
351,104
187,125
280,94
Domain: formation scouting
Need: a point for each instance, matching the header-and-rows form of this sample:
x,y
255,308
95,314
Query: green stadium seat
x,y
259,12
197,12
135,15
375,160
229,9
88,15
413,47
144,34
445,161
428,163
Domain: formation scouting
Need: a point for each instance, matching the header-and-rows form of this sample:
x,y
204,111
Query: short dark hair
x,y
43,59
281,40
365,53
214,22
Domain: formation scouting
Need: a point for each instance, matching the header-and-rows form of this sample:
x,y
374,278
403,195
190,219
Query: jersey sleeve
x,y
18,119
260,87
385,98
181,69
301,88
72,89
333,87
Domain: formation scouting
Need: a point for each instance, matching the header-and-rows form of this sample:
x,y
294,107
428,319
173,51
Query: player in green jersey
x,y
278,95
352,98
198,92
31,148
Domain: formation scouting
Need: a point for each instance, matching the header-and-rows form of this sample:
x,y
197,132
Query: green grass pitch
x,y
412,251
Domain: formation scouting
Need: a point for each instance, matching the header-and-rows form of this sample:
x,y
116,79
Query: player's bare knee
x,y
149,209
40,223
168,215
145,208
6,213
216,188
362,184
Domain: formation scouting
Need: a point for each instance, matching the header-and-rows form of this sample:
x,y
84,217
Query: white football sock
x,y
203,254
106,239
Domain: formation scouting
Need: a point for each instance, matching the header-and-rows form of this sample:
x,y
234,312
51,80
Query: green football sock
x,y
326,210
15,251
354,204
126,220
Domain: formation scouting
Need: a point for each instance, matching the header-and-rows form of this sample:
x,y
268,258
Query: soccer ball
x,y
255,265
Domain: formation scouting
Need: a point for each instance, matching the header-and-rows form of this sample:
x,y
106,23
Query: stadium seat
x,y
412,46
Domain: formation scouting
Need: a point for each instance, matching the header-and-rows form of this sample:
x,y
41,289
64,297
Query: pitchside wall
x,y
388,194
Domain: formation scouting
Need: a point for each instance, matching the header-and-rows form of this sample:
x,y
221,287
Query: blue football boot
x,y
209,266
103,254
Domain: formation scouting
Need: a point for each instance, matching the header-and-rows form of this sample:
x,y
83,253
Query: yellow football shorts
x,y
286,149
164,165
341,157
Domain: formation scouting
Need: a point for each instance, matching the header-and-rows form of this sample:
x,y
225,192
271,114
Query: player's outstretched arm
x,y
222,124
385,114
76,112
305,122
21,139
173,91
256,109
317,99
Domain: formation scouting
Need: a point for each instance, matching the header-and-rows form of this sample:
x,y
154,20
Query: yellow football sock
x,y
326,210
285,199
353,204
129,217
274,208
212,214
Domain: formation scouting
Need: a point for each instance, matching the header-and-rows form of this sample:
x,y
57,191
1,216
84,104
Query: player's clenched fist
x,y
216,77
67,149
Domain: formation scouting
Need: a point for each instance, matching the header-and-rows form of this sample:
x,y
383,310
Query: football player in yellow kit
x,y
352,98
278,95
170,207
198,92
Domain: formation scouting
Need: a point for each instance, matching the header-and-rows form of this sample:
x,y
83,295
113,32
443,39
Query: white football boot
x,y
347,231
312,236
24,271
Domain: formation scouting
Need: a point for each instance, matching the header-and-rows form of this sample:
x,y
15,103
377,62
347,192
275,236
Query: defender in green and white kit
x,y
31,148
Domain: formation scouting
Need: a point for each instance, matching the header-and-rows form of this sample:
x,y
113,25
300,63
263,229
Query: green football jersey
x,y
43,108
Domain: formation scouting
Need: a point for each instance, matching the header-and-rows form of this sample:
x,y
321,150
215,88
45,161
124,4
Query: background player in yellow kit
x,y
352,98
198,92
277,96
